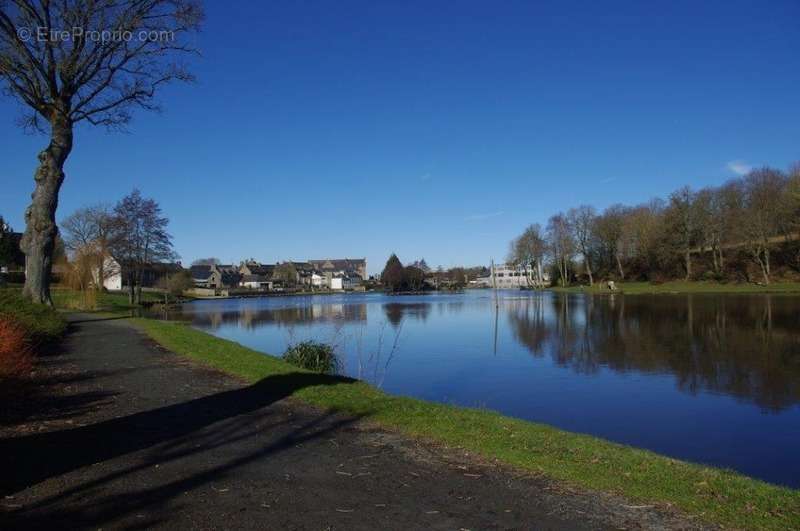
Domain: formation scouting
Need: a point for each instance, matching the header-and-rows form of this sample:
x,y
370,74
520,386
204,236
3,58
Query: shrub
x,y
16,359
317,357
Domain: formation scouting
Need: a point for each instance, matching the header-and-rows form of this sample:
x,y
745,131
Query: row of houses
x,y
329,274
337,274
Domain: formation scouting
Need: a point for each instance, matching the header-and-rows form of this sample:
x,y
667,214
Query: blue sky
x,y
436,129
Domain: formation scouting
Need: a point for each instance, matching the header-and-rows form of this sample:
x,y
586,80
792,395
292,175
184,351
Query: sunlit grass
x,y
714,495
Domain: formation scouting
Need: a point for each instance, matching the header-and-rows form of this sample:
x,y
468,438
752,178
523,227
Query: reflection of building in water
x,y
251,317
744,346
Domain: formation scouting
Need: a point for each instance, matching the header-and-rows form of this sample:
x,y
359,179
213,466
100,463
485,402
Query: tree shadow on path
x,y
30,459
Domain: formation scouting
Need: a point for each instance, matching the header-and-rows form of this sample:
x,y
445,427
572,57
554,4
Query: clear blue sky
x,y
436,129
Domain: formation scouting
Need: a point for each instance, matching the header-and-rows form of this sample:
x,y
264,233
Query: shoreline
x,y
715,495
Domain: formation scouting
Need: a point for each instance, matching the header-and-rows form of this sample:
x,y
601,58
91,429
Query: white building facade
x,y
505,276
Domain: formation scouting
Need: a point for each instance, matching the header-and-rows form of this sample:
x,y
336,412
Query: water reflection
x,y
744,346
709,378
249,317
397,311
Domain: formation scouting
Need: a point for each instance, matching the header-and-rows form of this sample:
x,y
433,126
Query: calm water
x,y
707,378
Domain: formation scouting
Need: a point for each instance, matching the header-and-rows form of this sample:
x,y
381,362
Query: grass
x,y
42,324
680,286
313,356
64,298
714,495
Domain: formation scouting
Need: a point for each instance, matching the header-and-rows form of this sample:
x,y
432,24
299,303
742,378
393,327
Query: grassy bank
x,y
679,286
42,324
713,495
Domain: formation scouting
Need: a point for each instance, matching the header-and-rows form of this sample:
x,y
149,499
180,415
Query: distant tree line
x,y
396,277
746,229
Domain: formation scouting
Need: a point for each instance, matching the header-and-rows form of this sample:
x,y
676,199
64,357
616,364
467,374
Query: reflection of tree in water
x,y
745,346
395,311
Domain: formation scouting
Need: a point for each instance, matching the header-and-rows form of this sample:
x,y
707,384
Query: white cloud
x,y
481,217
425,177
739,167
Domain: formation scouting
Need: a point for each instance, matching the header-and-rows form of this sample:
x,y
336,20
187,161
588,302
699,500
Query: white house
x,y
510,276
112,275
317,280
255,282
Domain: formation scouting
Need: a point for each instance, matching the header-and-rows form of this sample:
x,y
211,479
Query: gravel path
x,y
128,435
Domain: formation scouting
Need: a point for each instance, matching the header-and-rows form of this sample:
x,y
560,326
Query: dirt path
x,y
128,435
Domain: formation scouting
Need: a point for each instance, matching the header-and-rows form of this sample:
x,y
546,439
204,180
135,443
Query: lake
x,y
708,378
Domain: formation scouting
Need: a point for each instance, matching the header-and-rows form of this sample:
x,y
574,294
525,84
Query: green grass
x,y
714,495
68,299
43,324
314,356
679,286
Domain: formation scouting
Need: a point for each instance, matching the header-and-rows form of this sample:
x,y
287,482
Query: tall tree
x,y
393,276
792,210
685,225
582,221
87,232
529,250
83,61
286,272
763,194
609,231
562,244
139,238
414,278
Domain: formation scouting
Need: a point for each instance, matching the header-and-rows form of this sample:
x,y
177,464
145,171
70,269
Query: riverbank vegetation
x,y
710,494
312,356
746,230
26,331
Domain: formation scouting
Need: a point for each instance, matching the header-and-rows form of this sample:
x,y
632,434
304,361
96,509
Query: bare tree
x,y
139,238
87,233
792,209
684,221
609,230
78,61
763,193
562,244
582,222
529,250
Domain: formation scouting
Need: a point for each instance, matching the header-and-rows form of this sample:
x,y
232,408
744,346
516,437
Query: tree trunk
x,y
619,267
688,258
540,272
39,239
131,287
714,259
588,270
